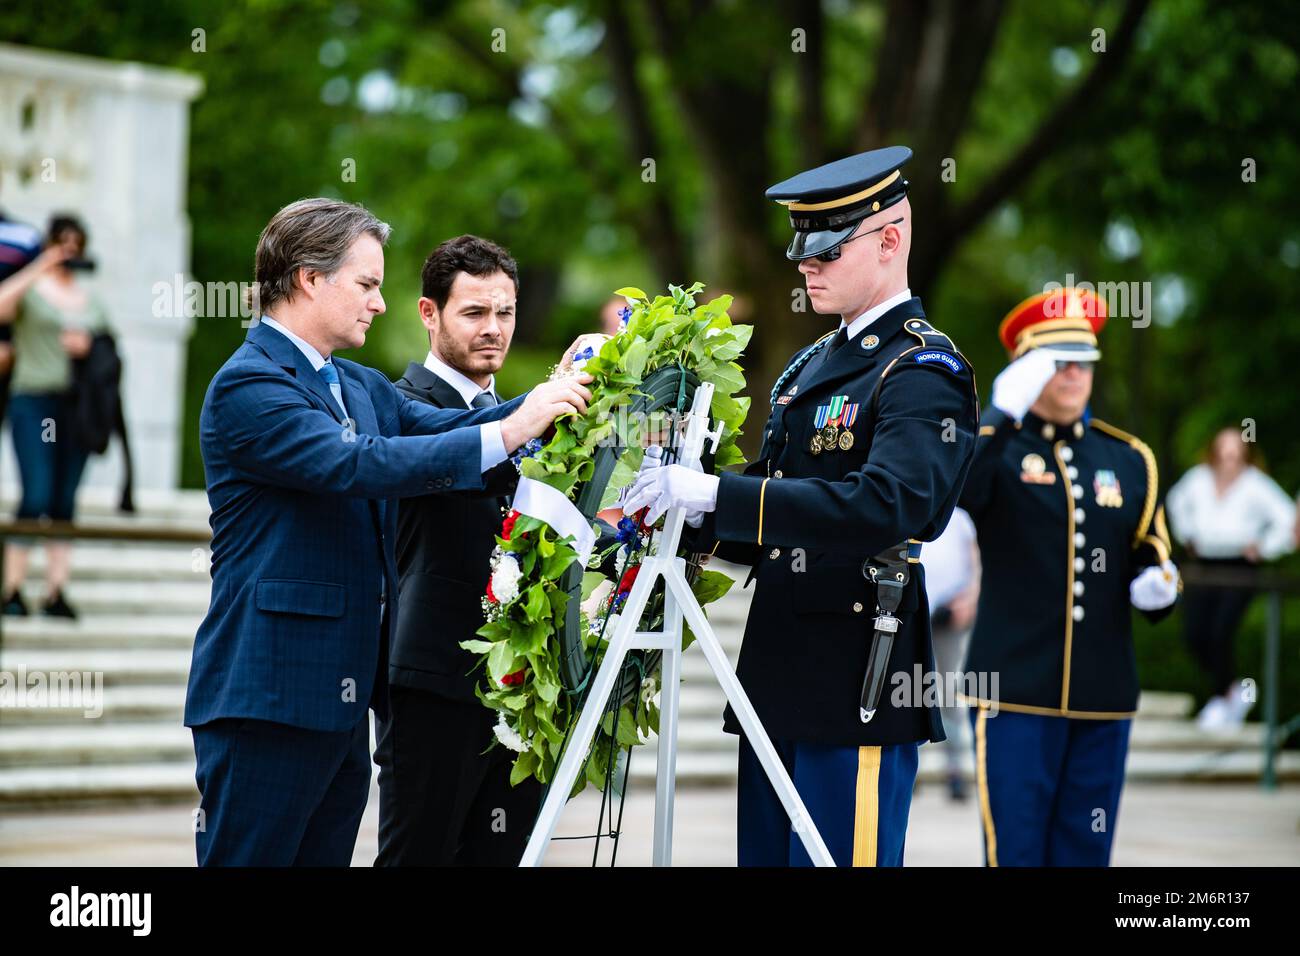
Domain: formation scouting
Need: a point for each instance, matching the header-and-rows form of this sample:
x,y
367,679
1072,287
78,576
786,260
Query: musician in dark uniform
x,y
1070,533
869,438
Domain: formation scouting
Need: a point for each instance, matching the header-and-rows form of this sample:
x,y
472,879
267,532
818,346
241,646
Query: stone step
x,y
43,787
137,598
119,666
128,562
101,632
54,747
156,704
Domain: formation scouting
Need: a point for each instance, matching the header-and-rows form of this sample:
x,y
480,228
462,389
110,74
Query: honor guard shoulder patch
x,y
944,359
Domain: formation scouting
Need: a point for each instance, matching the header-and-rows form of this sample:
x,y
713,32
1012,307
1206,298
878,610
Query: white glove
x,y
672,486
1020,383
1155,587
651,460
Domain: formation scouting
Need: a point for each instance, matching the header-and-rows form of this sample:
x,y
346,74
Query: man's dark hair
x,y
470,254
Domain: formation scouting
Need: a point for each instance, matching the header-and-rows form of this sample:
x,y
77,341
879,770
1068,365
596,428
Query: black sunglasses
x,y
832,254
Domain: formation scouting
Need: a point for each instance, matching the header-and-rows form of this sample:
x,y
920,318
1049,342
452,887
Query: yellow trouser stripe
x,y
866,814
982,781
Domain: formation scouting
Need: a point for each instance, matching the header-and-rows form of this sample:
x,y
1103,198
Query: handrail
x,y
1273,584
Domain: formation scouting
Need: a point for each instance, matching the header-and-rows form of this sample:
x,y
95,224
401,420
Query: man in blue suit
x,y
304,457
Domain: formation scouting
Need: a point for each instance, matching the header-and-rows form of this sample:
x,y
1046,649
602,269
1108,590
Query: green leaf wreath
x,y
525,605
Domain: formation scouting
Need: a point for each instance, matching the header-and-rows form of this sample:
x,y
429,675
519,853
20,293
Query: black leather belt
x,y
889,571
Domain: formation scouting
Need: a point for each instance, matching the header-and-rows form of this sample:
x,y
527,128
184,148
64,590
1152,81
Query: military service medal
x,y
847,417
1106,487
825,433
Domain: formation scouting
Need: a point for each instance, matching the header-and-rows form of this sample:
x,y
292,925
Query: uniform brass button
x,y
1067,453
1078,612
1078,516
1078,539
1078,589
857,607
774,553
1076,490
777,474
1049,431
1078,565
1072,472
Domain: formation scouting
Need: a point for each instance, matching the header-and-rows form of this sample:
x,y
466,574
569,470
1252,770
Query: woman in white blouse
x,y
1227,513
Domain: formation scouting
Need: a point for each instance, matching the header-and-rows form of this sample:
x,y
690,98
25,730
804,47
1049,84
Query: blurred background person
x,y
20,243
54,317
611,315
952,584
1228,514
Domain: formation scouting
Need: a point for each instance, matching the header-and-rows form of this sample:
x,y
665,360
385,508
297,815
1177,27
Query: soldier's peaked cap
x,y
1063,321
827,203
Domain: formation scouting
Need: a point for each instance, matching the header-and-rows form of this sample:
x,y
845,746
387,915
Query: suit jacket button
x,y
857,607
777,474
774,553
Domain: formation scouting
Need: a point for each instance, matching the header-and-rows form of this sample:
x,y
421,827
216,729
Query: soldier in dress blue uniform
x,y
1070,533
871,432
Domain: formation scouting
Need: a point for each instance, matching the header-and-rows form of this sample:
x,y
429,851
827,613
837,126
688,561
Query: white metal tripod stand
x,y
679,602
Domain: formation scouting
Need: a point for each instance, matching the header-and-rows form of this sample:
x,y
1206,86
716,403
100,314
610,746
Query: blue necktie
x,y
331,376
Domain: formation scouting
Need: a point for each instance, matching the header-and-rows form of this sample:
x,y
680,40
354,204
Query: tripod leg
x,y
575,752
666,772
800,819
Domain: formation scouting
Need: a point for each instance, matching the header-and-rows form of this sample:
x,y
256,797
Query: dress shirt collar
x,y
873,313
305,347
467,388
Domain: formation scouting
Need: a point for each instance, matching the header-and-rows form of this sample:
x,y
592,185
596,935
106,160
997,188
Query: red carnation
x,y
508,525
510,680
491,597
629,576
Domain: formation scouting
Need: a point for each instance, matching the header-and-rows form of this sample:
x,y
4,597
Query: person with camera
x,y
54,318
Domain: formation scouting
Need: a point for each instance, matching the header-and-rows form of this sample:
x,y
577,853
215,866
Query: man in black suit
x,y
442,799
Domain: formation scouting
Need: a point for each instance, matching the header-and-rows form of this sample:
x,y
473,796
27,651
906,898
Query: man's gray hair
x,y
308,234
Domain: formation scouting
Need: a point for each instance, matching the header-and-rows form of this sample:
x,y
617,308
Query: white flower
x,y
505,579
508,737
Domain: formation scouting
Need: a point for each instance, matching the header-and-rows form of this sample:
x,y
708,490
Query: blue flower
x,y
527,450
627,534
624,314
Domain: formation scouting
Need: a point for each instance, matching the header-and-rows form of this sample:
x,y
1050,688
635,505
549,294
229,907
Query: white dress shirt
x,y
1252,510
492,448
873,313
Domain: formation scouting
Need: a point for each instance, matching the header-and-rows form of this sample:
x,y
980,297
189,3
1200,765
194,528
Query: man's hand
x,y
545,403
1155,587
1021,382
672,486
593,339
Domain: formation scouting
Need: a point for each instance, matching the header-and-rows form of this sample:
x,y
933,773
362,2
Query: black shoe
x,y
15,606
57,607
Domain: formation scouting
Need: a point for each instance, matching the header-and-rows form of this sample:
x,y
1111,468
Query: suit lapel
x,y
290,358
362,412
